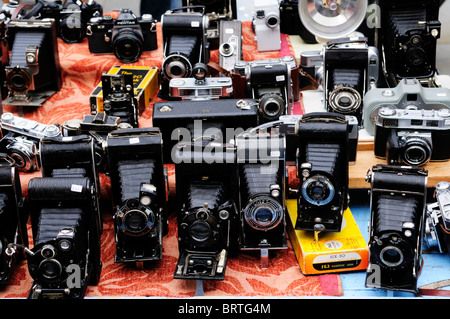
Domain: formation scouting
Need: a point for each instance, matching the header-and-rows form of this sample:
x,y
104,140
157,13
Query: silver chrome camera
x,y
266,24
437,225
346,69
408,94
21,138
207,89
230,47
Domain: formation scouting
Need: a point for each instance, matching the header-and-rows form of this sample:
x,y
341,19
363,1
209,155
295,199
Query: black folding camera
x,y
127,36
118,98
262,172
274,82
13,219
185,43
20,140
326,145
437,224
185,120
71,17
412,137
138,184
409,32
207,212
346,69
397,206
65,220
34,71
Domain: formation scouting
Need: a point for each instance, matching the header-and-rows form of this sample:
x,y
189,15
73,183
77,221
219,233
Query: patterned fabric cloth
x,y
81,72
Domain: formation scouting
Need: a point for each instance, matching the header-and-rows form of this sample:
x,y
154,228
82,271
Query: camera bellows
x,y
395,211
405,20
22,41
201,193
259,177
323,157
131,174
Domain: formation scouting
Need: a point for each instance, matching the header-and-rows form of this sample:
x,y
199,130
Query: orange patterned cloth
x,y
81,72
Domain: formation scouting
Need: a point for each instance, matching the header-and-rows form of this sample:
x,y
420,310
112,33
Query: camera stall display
x,y
20,140
185,43
409,94
207,208
409,34
273,82
71,17
138,184
65,220
326,145
412,137
437,224
397,208
346,69
262,180
34,71
127,36
13,219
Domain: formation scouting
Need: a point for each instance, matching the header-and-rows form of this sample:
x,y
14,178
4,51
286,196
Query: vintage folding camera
x,y
21,139
437,223
206,206
34,72
98,126
185,43
71,17
65,220
13,219
274,82
408,35
217,12
182,120
397,208
230,47
138,184
408,94
262,180
200,86
119,99
412,137
290,22
346,69
127,36
266,25
326,146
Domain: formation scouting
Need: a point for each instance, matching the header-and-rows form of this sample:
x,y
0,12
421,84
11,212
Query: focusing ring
x,y
350,94
135,220
257,210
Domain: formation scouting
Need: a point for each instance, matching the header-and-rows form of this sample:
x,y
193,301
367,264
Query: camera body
x,y
262,174
274,82
34,72
437,225
71,17
21,139
397,207
13,219
127,36
138,184
326,145
409,33
266,24
65,220
347,69
209,88
185,43
186,120
412,137
230,48
408,94
207,209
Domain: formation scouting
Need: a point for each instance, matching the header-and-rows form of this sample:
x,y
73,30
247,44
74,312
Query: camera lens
x,y
71,30
391,256
416,56
128,45
263,213
344,100
50,268
272,21
318,190
136,221
272,106
200,230
19,80
417,152
176,66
